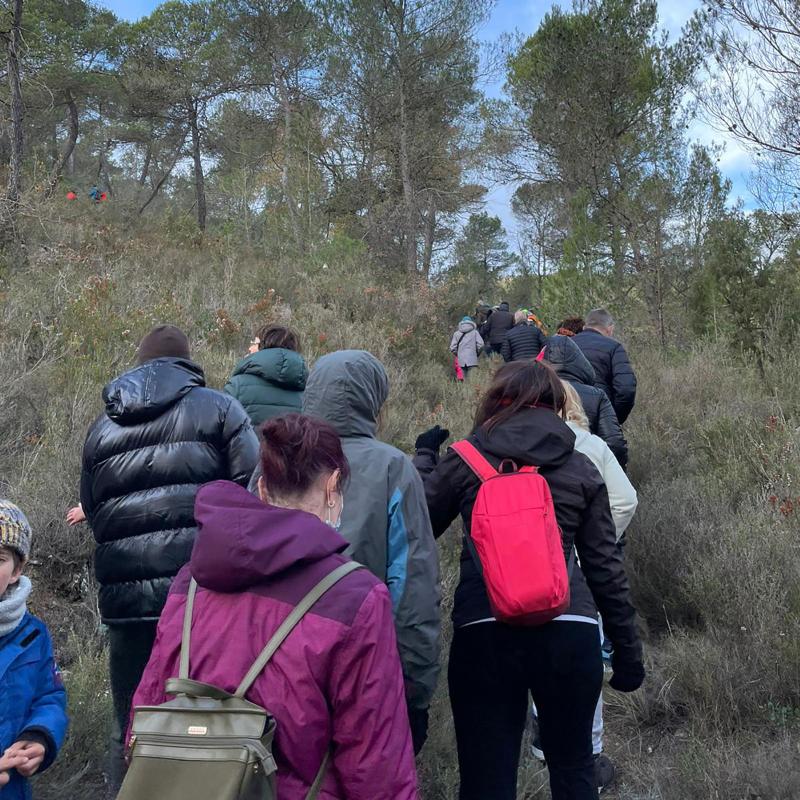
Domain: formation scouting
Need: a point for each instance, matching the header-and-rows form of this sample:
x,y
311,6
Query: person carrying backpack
x,y
496,661
333,686
524,340
466,345
494,331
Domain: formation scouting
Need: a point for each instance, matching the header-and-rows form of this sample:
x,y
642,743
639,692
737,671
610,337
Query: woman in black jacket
x,y
493,666
572,365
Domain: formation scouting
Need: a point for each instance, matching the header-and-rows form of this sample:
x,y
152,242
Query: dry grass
x,y
713,553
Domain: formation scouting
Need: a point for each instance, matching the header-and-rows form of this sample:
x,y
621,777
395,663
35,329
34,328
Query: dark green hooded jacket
x,y
269,383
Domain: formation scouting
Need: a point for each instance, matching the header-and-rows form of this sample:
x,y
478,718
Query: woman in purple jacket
x,y
335,684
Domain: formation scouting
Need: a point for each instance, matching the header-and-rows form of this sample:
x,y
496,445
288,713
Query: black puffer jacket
x,y
572,366
521,342
536,436
162,436
494,331
613,372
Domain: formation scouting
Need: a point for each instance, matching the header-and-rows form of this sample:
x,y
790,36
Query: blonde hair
x,y
573,408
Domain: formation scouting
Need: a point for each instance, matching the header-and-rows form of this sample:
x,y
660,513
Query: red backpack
x,y
518,541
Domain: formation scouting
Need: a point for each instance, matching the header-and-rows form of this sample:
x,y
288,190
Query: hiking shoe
x,y
536,742
604,772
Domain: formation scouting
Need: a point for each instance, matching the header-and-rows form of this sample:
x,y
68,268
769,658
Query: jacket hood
x,y
533,436
568,360
466,326
347,389
242,541
284,368
145,392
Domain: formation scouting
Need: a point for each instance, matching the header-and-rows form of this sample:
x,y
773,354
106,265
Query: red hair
x,y
296,450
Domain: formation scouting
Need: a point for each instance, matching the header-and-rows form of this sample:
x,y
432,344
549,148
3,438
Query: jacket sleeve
x,y
541,339
505,348
87,499
240,443
48,715
412,576
621,494
232,388
604,570
442,498
454,344
609,430
623,383
479,343
372,753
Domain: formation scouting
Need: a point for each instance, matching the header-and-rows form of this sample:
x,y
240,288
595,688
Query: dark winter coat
x,y
32,697
536,436
162,436
269,383
521,342
498,325
613,372
572,366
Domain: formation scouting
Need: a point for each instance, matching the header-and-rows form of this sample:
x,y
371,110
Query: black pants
x,y
492,670
129,652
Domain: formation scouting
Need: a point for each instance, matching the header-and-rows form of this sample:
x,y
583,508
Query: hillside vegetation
x,y
715,446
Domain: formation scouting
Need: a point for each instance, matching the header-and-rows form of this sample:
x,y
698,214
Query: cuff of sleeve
x,y
43,737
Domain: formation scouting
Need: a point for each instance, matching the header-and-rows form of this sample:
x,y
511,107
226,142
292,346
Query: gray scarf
x,y
13,605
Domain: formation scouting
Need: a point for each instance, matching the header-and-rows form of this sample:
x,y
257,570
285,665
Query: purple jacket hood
x,y
242,541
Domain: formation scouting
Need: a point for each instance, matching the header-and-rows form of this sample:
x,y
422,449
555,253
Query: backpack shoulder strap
x,y
183,673
474,459
288,625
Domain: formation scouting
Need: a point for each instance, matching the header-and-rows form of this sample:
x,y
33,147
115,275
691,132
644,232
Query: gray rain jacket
x,y
385,517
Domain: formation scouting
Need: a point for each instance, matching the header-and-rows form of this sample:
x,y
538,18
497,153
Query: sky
x,y
524,16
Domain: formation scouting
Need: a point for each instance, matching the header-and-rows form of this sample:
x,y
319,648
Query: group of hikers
x,y
265,560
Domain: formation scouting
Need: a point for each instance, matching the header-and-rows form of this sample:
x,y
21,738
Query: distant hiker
x,y
523,340
612,369
270,382
482,313
466,345
570,326
498,325
566,358
33,703
385,518
493,666
72,195
534,320
335,686
162,436
94,194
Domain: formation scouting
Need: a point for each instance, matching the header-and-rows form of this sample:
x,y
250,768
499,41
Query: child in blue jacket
x,y
33,713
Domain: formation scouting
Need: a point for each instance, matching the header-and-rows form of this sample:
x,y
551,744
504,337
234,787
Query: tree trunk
x,y
286,106
148,157
410,227
430,235
69,147
17,111
162,179
102,168
199,178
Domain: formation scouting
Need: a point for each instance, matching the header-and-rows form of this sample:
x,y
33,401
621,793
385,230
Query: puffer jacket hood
x,y
537,437
347,389
465,326
146,392
276,365
568,361
241,541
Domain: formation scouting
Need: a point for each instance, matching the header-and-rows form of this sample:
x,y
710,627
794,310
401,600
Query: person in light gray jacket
x,y
466,344
385,517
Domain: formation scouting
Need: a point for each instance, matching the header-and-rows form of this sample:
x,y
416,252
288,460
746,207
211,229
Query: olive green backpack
x,y
208,744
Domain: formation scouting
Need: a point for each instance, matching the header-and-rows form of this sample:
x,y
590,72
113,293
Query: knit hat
x,y
164,341
467,318
15,530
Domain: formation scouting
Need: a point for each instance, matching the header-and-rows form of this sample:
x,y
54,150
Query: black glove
x,y
628,675
418,720
432,439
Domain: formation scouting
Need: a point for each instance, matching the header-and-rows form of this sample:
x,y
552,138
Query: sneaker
x,y
536,742
604,772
